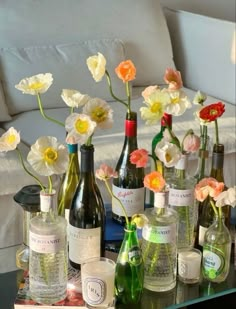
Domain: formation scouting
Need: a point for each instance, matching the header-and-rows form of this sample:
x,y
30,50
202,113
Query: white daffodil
x,y
227,197
74,98
35,84
79,127
100,112
199,98
48,157
9,140
178,104
167,153
97,66
156,103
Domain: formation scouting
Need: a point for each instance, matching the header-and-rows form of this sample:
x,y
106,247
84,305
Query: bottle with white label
x,y
128,186
87,214
216,251
159,245
48,257
181,199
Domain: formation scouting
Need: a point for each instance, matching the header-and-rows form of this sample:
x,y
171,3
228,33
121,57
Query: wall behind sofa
x,y
215,8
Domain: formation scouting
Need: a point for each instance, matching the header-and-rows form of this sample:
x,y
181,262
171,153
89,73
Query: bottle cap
x,y
166,120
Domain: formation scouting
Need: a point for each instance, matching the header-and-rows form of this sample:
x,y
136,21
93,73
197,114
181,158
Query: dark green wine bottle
x,y
87,214
69,182
128,186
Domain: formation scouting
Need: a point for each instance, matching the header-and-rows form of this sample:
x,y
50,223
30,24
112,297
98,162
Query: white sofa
x,y
48,36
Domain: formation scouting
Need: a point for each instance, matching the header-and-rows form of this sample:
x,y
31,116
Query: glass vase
x,y
216,251
129,273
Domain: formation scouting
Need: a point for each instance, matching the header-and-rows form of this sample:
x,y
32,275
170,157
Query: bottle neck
x,y
181,167
72,148
131,125
166,120
87,159
218,163
48,202
160,200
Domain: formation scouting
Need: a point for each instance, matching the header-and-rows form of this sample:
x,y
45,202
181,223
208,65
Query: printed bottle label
x,y
132,200
201,234
84,244
46,243
159,234
134,256
213,263
95,291
181,197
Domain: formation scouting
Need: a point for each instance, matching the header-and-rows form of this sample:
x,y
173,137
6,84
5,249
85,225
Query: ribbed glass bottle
x,y
128,186
159,245
48,253
87,214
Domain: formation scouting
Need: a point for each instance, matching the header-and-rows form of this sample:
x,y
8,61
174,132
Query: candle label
x,y
45,243
159,234
95,290
181,197
213,262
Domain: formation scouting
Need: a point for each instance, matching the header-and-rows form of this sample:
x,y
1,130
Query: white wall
x,y
223,9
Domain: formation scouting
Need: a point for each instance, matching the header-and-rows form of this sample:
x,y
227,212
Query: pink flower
x,y
105,172
139,157
191,143
148,91
208,186
173,79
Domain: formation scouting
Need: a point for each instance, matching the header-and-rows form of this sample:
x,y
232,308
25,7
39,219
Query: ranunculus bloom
x,y
140,220
208,186
105,172
212,112
74,98
167,153
35,84
191,143
48,157
126,71
97,66
173,79
227,197
148,91
9,140
154,181
179,102
139,157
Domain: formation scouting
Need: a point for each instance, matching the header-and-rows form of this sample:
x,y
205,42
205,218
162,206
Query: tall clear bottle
x,y
181,199
128,186
69,182
207,214
48,253
159,245
87,214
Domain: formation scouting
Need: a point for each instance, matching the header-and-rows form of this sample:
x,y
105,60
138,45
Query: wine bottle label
x,y
132,200
201,234
213,262
46,243
84,244
94,291
181,197
67,213
160,234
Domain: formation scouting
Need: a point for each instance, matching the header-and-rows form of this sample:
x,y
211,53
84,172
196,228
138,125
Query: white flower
x,y
9,140
178,104
227,197
156,103
79,127
74,98
35,84
167,153
48,157
97,66
100,112
199,98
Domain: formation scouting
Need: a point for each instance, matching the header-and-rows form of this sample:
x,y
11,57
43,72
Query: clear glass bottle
x,y
128,186
181,199
216,251
87,214
69,182
48,261
129,269
28,199
159,245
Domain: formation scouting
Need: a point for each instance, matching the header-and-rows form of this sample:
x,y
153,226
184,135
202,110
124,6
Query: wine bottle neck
x,y
87,159
166,120
72,148
217,165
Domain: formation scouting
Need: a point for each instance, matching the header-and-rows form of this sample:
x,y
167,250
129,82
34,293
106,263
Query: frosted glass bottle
x,y
159,245
48,261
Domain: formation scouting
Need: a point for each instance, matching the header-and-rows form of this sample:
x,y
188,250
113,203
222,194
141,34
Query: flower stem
x,y
49,184
128,96
111,91
214,207
217,132
44,115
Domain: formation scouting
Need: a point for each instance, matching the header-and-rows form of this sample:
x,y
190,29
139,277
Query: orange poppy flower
x,y
154,181
126,71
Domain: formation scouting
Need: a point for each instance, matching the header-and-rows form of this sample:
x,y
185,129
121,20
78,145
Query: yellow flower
x,y
97,66
140,220
35,84
9,140
178,104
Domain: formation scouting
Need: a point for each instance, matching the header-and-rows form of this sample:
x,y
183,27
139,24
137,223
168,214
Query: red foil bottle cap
x,y
166,120
130,128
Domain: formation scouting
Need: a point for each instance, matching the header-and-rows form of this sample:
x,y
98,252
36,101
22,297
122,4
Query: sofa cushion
x,y
4,114
67,63
139,24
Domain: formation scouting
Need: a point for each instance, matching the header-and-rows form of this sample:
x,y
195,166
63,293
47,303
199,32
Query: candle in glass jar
x,y
189,265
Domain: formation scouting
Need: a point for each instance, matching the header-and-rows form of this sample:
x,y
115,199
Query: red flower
x,y
139,157
212,112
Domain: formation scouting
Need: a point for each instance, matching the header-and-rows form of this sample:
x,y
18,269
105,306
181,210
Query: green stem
x,y
44,115
155,162
49,184
115,197
214,207
111,91
217,132
27,171
128,96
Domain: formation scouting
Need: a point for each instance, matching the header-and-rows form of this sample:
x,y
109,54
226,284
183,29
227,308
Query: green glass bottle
x,y
129,273
87,214
69,182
